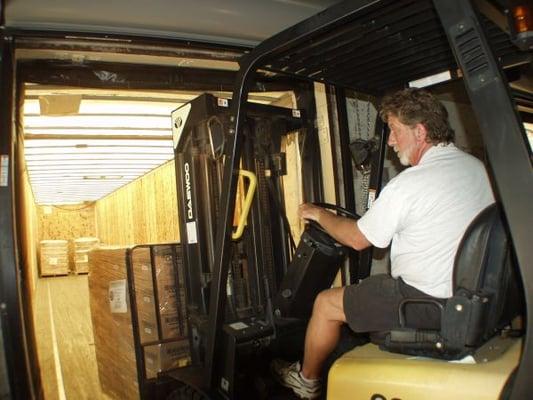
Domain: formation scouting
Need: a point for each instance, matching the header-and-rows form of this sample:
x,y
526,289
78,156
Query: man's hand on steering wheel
x,y
309,212
312,212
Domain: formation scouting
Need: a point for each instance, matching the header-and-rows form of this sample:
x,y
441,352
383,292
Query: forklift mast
x,y
258,259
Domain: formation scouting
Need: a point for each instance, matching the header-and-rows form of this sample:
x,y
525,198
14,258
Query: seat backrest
x,y
482,251
486,294
483,265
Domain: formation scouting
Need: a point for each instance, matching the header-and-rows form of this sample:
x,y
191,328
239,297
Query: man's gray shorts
x,y
372,305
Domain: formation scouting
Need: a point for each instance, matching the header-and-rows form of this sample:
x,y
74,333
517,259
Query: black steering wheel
x,y
313,225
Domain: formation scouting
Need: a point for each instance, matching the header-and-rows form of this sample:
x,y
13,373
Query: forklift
x,y
247,284
249,297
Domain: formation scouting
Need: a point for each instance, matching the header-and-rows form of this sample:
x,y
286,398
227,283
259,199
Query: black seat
x,y
486,296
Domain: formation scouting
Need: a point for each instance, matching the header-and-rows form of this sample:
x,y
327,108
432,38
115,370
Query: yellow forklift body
x,y
367,372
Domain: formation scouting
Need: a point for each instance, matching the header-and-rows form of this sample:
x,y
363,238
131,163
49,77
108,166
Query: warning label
x,y
4,168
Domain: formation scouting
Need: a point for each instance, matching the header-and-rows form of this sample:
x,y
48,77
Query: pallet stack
x,y
166,294
53,257
82,246
111,315
111,318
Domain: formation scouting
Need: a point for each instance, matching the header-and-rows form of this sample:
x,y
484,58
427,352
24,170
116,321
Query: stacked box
x,y
53,256
112,321
82,246
165,277
165,356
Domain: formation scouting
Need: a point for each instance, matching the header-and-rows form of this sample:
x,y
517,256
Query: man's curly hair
x,y
413,106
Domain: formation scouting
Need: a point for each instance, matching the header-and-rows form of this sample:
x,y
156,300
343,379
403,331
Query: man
x,y
423,212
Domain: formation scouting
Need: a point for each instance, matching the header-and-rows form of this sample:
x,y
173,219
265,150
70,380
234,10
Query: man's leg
x,y
323,331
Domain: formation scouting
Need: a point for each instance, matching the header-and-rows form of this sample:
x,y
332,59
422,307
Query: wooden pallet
x,y
53,275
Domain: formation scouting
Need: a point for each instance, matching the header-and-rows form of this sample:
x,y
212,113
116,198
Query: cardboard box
x,y
112,326
165,276
112,320
82,246
165,356
53,257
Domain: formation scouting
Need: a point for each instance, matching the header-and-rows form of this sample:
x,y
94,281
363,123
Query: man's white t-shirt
x,y
425,211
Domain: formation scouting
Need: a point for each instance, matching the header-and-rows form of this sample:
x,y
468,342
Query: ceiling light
x,y
86,150
31,143
95,163
100,132
103,177
98,121
431,80
123,157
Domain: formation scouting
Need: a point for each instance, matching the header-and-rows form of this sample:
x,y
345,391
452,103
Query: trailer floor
x,y
64,335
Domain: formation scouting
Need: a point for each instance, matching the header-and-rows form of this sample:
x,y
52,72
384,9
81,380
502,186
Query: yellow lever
x,y
247,203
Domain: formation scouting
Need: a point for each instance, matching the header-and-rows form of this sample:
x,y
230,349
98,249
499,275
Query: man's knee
x,y
320,303
329,305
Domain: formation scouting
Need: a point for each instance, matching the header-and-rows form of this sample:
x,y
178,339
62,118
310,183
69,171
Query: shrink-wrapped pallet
x,y
165,277
82,246
112,319
112,327
53,257
165,356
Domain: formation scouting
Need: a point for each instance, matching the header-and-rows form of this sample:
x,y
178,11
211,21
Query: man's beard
x,y
405,155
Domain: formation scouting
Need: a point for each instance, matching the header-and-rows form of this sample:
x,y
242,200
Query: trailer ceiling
x,y
82,144
242,22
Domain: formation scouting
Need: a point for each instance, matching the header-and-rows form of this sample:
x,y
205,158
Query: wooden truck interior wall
x,y
61,321
144,211
28,220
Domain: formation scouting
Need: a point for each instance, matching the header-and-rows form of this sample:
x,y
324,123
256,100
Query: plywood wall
x,y
292,182
27,222
144,211
66,222
326,152
326,147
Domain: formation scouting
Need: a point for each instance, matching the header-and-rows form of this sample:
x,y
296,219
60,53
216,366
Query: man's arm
x,y
342,229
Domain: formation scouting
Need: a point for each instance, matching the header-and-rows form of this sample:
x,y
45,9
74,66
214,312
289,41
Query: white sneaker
x,y
289,375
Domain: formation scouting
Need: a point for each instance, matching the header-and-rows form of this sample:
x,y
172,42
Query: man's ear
x,y
421,133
